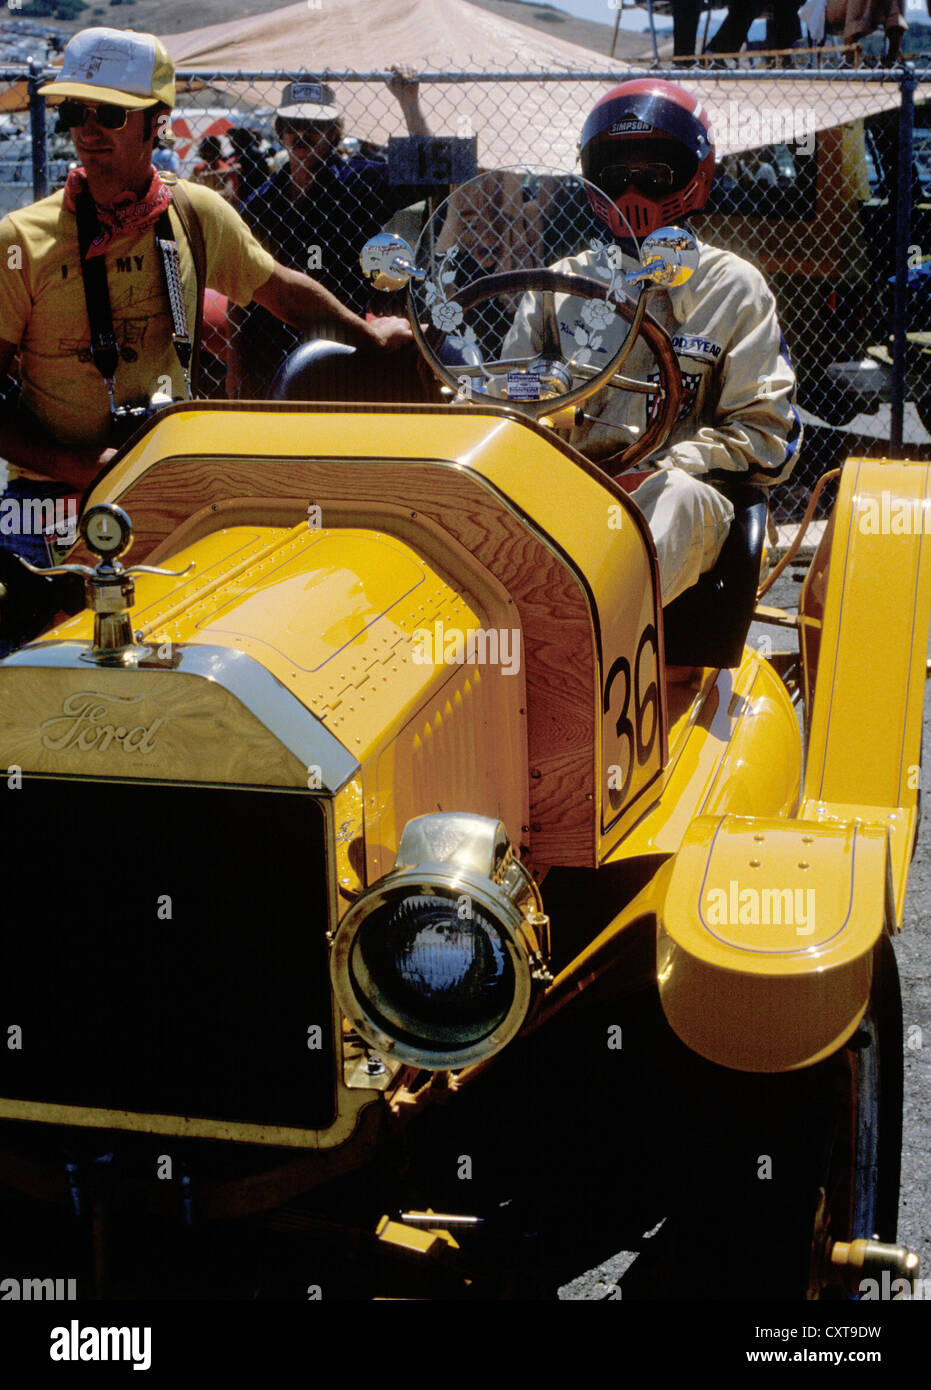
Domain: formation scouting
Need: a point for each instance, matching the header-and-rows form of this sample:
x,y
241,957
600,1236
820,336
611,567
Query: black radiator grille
x,y
204,1012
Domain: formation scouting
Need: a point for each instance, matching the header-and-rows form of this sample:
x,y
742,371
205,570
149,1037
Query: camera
x,y
126,419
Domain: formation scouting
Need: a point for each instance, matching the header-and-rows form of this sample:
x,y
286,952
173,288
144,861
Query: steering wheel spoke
x,y
551,347
619,381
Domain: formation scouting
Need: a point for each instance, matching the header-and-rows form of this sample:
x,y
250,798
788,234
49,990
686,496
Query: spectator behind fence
x,y
757,172
213,170
164,155
249,161
861,17
494,231
734,28
315,214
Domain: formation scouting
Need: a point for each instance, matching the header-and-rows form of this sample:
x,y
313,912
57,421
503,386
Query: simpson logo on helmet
x,y
629,125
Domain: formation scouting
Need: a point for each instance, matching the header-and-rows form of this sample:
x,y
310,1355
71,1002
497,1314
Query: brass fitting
x,y
856,1260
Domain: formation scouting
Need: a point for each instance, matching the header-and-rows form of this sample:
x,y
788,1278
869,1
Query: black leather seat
x,y
707,625
325,371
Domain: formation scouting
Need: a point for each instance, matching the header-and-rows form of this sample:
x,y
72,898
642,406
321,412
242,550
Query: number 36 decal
x,y
631,711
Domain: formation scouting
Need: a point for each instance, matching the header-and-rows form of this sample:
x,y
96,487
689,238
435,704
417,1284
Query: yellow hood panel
x,y
332,614
319,593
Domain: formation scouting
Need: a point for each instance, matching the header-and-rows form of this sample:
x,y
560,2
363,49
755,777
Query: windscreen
x,y
488,319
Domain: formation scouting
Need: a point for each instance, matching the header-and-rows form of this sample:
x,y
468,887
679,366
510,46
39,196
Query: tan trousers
x,y
689,522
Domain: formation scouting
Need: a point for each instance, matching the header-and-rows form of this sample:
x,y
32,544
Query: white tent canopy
x,y
522,120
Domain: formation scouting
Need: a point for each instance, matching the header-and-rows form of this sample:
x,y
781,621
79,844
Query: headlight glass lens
x,y
435,971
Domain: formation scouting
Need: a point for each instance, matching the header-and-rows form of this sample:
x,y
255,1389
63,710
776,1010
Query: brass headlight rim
x,y
428,881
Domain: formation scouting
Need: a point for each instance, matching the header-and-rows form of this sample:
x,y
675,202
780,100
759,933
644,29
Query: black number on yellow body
x,y
650,700
623,727
637,739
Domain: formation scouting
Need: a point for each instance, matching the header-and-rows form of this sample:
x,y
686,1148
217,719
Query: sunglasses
x,y
649,178
75,113
309,135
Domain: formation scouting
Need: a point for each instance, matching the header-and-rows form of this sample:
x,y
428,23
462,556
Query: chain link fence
x,y
807,187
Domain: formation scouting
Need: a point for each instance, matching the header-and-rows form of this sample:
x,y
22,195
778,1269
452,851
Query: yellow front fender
x,y
766,936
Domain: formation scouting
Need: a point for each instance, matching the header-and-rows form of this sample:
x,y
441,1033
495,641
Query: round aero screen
x,y
500,340
433,970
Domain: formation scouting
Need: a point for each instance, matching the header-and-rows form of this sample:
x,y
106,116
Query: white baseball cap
x,y
308,101
115,65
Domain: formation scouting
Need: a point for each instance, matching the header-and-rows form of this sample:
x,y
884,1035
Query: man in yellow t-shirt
x,y
117,88
42,309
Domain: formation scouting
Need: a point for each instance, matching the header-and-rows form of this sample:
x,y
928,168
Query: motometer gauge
x,y
107,530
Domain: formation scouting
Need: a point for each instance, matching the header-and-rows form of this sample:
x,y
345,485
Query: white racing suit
x,y
738,418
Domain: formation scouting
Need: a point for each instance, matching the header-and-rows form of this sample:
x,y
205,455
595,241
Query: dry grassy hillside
x,y
174,16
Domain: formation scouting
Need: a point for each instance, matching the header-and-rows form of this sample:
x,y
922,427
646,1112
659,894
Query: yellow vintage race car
x,y
389,873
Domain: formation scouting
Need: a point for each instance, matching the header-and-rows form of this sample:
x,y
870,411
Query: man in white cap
x,y
314,214
117,89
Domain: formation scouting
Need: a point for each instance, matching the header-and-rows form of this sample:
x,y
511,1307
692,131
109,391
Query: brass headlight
x,y
435,965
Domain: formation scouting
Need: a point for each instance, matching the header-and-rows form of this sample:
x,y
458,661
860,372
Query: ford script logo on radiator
x,y
89,720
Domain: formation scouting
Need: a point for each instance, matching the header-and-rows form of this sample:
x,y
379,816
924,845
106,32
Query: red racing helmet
x,y
647,146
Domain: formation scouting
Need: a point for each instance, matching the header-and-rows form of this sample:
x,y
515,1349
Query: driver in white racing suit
x,y
647,146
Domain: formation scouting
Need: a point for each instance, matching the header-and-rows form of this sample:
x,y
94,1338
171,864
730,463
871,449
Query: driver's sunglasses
x,y
649,178
75,113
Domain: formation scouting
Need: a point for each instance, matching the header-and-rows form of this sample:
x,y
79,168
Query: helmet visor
x,y
649,178
655,167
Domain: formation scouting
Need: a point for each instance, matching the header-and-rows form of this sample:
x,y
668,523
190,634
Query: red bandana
x,y
128,214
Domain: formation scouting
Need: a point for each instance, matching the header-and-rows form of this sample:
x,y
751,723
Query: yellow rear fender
x,y
766,935
864,744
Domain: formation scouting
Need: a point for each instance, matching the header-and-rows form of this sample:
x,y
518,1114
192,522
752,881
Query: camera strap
x,y
104,348
190,225
171,265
